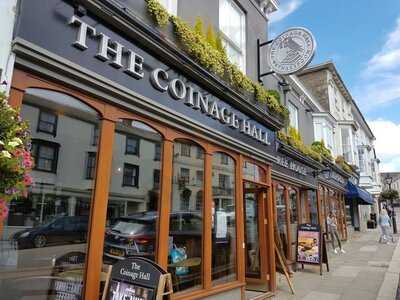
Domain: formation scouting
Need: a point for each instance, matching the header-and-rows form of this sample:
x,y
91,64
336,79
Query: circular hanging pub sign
x,y
291,51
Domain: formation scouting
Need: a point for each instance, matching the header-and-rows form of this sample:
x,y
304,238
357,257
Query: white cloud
x,y
387,144
285,9
380,79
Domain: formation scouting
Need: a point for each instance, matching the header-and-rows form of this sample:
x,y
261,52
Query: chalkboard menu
x,y
134,279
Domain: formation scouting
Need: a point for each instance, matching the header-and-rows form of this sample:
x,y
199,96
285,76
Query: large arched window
x,y
223,219
50,226
186,216
133,202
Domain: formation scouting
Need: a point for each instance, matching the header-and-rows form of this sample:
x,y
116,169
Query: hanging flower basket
x,y
15,158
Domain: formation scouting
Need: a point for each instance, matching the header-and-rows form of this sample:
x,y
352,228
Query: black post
x,y
393,212
394,219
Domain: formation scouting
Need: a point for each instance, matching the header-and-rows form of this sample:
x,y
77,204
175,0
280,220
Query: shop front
x,y
134,157
331,194
294,178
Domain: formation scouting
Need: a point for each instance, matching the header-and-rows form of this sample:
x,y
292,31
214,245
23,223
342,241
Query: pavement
x,y
367,271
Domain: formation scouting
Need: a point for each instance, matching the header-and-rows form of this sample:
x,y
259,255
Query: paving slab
x,y
359,274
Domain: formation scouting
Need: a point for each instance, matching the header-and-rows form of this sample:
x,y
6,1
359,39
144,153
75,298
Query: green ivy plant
x,y
207,49
158,12
319,147
294,139
341,162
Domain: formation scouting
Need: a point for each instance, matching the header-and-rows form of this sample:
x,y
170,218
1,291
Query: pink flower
x,y
3,210
27,163
27,179
27,155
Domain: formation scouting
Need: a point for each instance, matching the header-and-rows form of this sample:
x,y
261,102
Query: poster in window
x,y
308,244
221,230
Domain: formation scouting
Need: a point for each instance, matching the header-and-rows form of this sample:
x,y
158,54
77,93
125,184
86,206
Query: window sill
x,y
200,294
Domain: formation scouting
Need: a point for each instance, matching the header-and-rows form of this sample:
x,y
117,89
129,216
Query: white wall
x,y
7,19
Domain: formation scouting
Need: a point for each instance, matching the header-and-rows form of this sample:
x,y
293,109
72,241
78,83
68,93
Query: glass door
x,y
255,226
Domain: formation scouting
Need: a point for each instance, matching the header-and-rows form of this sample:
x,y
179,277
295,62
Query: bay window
x,y
232,24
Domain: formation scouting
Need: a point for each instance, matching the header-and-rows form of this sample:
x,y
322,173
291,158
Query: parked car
x,y
61,230
135,235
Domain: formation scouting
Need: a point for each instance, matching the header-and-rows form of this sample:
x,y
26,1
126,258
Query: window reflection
x,y
281,219
223,219
293,209
132,212
186,218
253,263
312,200
253,172
47,231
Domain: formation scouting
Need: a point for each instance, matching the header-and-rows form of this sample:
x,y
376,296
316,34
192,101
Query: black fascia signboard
x,y
291,164
334,178
89,42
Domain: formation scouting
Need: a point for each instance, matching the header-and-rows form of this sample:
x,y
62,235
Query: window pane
x,y
253,172
252,239
293,219
133,202
186,220
223,219
293,116
232,24
312,200
49,227
281,219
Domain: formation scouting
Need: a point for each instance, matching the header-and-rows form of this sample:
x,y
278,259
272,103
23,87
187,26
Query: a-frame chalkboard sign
x,y
139,279
311,246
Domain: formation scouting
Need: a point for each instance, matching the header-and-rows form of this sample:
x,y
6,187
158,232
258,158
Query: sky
x,y
362,38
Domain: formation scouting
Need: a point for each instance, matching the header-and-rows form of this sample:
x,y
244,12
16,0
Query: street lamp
x,y
388,181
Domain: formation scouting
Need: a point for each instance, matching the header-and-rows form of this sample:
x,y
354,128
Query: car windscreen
x,y
132,226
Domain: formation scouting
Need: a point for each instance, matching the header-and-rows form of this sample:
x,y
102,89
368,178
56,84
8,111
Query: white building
x,y
7,18
345,132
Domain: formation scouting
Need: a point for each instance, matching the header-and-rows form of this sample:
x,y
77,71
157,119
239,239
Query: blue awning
x,y
355,192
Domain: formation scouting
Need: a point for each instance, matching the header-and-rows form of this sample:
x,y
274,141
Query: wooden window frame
x,y
110,115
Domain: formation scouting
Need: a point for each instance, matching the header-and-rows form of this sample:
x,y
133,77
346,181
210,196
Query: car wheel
x,y
40,241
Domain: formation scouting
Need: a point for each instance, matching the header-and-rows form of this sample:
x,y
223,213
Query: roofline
x,y
329,65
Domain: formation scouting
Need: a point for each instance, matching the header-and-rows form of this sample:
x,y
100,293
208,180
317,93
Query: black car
x,y
61,230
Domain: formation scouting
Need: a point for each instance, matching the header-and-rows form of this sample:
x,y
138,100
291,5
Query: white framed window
x,y
171,6
232,24
323,131
294,116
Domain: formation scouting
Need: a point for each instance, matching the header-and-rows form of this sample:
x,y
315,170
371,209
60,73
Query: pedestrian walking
x,y
384,224
332,229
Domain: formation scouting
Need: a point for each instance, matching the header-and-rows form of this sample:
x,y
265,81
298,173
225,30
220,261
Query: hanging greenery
x,y
294,139
158,12
207,49
319,147
15,158
341,162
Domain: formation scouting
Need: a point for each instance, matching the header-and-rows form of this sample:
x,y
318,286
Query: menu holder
x,y
311,246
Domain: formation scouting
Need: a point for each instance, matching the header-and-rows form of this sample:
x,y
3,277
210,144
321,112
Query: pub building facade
x,y
140,151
